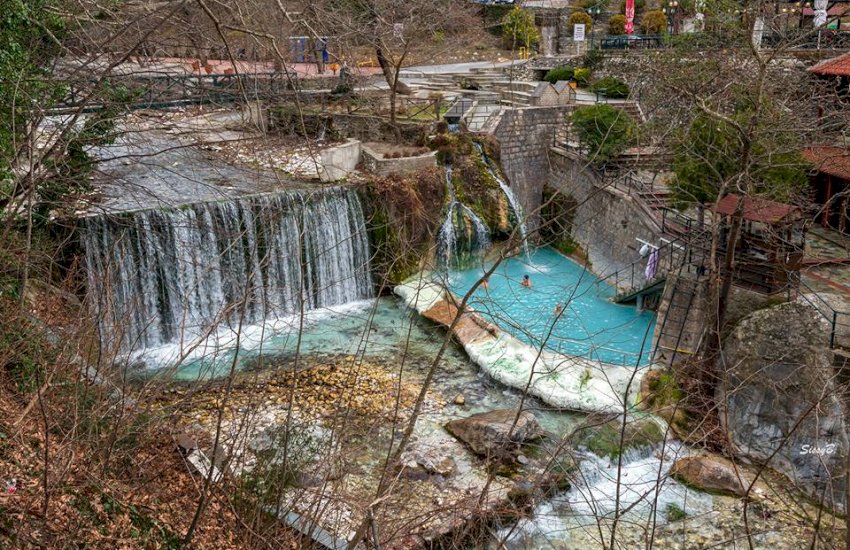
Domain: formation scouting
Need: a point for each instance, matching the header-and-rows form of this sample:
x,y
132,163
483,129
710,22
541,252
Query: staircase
x,y
682,319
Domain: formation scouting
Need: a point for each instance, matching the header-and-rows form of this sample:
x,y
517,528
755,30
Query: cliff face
x,y
779,400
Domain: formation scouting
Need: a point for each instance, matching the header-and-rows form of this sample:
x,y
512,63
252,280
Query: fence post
x,y
832,333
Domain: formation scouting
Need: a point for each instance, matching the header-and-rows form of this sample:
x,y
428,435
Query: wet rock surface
x,y
711,474
494,434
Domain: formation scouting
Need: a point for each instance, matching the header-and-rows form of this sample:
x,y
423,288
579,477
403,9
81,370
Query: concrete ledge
x,y
337,162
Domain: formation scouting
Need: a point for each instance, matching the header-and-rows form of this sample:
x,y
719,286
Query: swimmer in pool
x,y
558,309
526,281
485,283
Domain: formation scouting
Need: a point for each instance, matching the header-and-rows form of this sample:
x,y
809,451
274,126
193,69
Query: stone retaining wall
x,y
525,136
606,222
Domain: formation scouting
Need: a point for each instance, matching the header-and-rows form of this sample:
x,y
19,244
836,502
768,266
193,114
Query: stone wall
x,y
525,136
377,164
606,222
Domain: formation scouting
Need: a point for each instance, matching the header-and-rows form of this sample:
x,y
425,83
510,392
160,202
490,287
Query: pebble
x,y
460,399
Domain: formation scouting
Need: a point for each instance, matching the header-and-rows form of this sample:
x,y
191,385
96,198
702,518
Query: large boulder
x,y
490,434
711,474
778,399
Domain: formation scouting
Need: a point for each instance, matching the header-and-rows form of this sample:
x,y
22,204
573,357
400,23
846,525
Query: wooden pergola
x,y
769,251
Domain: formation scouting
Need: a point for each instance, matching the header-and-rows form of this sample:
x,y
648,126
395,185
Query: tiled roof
x,y
829,159
837,66
756,209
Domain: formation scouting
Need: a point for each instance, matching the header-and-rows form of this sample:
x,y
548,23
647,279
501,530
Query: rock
x,y
829,304
779,401
522,459
490,434
603,440
186,444
427,459
460,399
711,474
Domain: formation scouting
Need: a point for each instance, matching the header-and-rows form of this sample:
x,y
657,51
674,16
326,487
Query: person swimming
x,y
558,309
485,282
526,281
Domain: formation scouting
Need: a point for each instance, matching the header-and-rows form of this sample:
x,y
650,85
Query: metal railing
x,y
631,42
838,320
684,252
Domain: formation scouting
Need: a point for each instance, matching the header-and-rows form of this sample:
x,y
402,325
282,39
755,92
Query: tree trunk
x,y
396,86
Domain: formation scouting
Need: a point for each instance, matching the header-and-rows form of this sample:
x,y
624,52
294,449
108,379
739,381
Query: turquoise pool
x,y
591,326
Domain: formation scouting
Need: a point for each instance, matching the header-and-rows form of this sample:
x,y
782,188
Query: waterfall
x,y
474,235
516,207
160,276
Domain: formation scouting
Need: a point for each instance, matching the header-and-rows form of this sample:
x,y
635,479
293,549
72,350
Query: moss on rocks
x,y
605,440
402,222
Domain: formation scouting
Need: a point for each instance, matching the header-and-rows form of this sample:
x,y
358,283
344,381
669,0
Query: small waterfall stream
x,y
453,244
516,207
161,276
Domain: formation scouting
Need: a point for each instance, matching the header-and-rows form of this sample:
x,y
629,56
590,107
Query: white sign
x,y
578,32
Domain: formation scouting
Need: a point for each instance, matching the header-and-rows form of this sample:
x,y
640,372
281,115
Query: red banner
x,y
630,16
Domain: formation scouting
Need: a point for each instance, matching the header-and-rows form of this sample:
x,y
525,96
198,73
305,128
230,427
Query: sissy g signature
x,y
827,449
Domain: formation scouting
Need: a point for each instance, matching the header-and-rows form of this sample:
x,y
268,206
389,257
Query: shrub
x,y
611,87
654,22
603,131
559,73
582,75
617,25
579,17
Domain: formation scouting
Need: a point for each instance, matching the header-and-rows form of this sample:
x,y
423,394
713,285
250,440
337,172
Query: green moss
x,y
605,441
664,396
674,513
664,389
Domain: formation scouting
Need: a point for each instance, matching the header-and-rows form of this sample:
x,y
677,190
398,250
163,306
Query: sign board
x,y
578,32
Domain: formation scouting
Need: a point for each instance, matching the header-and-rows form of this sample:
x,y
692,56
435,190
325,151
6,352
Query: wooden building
x,y
831,185
770,248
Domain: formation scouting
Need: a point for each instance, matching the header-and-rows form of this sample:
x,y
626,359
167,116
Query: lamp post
x,y
593,11
672,12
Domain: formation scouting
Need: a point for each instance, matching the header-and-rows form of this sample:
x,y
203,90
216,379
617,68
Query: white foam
x,y
250,338
560,380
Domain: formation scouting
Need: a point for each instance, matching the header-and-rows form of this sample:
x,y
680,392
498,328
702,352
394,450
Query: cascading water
x,y
160,276
474,235
516,207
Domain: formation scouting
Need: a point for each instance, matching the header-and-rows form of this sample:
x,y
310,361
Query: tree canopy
x,y
604,131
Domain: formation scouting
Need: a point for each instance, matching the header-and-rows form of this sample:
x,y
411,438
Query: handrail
x,y
675,253
823,307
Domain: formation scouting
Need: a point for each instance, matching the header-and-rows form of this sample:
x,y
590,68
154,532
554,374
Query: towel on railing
x,y
651,265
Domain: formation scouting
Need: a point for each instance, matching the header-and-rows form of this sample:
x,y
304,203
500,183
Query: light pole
x,y
593,11
672,12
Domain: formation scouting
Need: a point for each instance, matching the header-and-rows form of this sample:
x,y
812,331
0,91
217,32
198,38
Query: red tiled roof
x,y
829,159
756,209
837,66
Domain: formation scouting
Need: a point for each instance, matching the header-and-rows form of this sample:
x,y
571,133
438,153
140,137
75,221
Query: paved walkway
x,y
828,259
456,67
